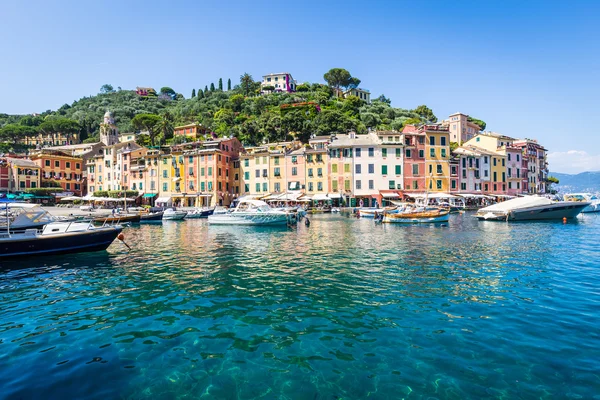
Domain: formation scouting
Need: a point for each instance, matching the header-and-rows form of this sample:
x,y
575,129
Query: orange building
x,y
61,167
190,131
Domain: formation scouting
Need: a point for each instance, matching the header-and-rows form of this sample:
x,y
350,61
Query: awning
x,y
289,196
334,195
70,198
320,196
150,195
390,195
177,179
163,200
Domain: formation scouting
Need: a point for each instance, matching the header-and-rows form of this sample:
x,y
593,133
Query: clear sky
x,y
527,68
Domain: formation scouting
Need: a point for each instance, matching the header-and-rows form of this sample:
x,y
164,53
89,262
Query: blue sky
x,y
529,69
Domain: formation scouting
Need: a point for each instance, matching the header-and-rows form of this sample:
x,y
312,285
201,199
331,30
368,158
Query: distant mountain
x,y
583,182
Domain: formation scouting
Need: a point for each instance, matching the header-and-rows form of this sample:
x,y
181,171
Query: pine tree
x,y
193,93
200,94
212,87
229,84
205,90
221,84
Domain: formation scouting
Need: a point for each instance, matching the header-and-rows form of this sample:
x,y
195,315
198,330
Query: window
x,y
294,171
371,152
398,152
358,185
432,152
453,170
495,177
334,186
503,162
485,173
517,160
510,185
384,170
464,173
191,171
57,164
294,160
257,173
346,185
219,171
508,159
346,167
277,172
504,177
265,174
438,184
494,161
371,168
407,153
277,187
246,163
415,185
398,169
443,153
265,187
334,168
202,171
320,186
310,186
164,187
422,153
320,171
439,169
258,188
443,141
415,169
276,160
210,186
463,185
358,152
209,171
430,169
392,185
485,160
47,163
432,140
191,159
309,158
164,161
357,168
384,152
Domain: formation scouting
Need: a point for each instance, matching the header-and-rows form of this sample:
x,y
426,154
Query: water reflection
x,y
343,308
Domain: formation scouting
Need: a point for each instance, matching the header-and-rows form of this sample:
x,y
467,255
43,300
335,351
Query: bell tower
x,y
109,133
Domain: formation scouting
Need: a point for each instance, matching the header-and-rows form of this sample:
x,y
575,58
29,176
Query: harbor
x,y
343,308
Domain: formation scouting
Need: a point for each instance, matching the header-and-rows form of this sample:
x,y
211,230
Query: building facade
x,y
280,82
61,168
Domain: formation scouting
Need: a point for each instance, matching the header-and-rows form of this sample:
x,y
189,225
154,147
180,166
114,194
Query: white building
x,y
362,94
281,82
474,168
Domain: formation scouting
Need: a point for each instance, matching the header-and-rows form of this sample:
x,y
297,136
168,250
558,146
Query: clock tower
x,y
109,133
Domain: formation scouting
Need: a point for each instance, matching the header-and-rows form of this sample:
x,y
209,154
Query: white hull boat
x,y
531,208
250,212
173,215
593,199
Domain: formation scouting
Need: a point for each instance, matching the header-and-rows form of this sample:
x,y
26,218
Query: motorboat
x,y
417,215
250,212
200,213
370,212
58,238
23,216
531,208
170,214
592,198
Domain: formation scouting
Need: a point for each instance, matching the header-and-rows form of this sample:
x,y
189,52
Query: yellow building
x,y
437,156
500,146
317,173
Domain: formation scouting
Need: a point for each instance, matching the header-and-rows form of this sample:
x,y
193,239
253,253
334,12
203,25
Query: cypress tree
x,y
205,90
200,94
193,93
221,84
229,84
212,87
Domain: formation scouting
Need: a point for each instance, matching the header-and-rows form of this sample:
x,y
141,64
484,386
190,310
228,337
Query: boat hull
x,y
416,219
174,217
264,220
200,214
592,208
75,242
118,219
153,217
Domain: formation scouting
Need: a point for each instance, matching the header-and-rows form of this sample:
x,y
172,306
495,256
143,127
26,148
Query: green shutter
x,y
384,169
398,170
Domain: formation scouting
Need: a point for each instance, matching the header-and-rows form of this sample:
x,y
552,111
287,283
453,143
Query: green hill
x,y
242,112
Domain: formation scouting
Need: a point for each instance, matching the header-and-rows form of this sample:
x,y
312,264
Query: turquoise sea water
x,y
341,309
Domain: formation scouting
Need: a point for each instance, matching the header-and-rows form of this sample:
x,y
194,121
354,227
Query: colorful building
x,y
414,159
317,162
537,164
280,82
362,94
437,156
23,174
61,168
460,128
191,132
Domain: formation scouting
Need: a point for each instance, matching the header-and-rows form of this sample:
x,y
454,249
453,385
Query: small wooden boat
x,y
118,218
417,217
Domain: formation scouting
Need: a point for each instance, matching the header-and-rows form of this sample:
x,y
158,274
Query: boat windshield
x,y
25,216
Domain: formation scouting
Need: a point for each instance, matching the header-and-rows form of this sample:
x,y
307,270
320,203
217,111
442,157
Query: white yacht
x,y
531,208
173,215
250,212
592,198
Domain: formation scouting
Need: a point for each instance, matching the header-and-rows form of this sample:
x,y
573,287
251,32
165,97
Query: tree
x,y
236,102
229,85
549,182
383,99
200,94
212,87
246,83
479,122
205,90
168,91
107,88
193,93
149,123
221,84
165,126
425,113
340,78
64,126
13,133
352,104
332,122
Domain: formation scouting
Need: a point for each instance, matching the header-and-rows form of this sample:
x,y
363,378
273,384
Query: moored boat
x,y
371,212
417,216
170,214
593,199
151,217
118,219
58,238
250,212
531,208
200,213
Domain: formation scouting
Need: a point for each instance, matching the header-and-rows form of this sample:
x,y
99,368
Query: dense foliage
x,y
242,112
